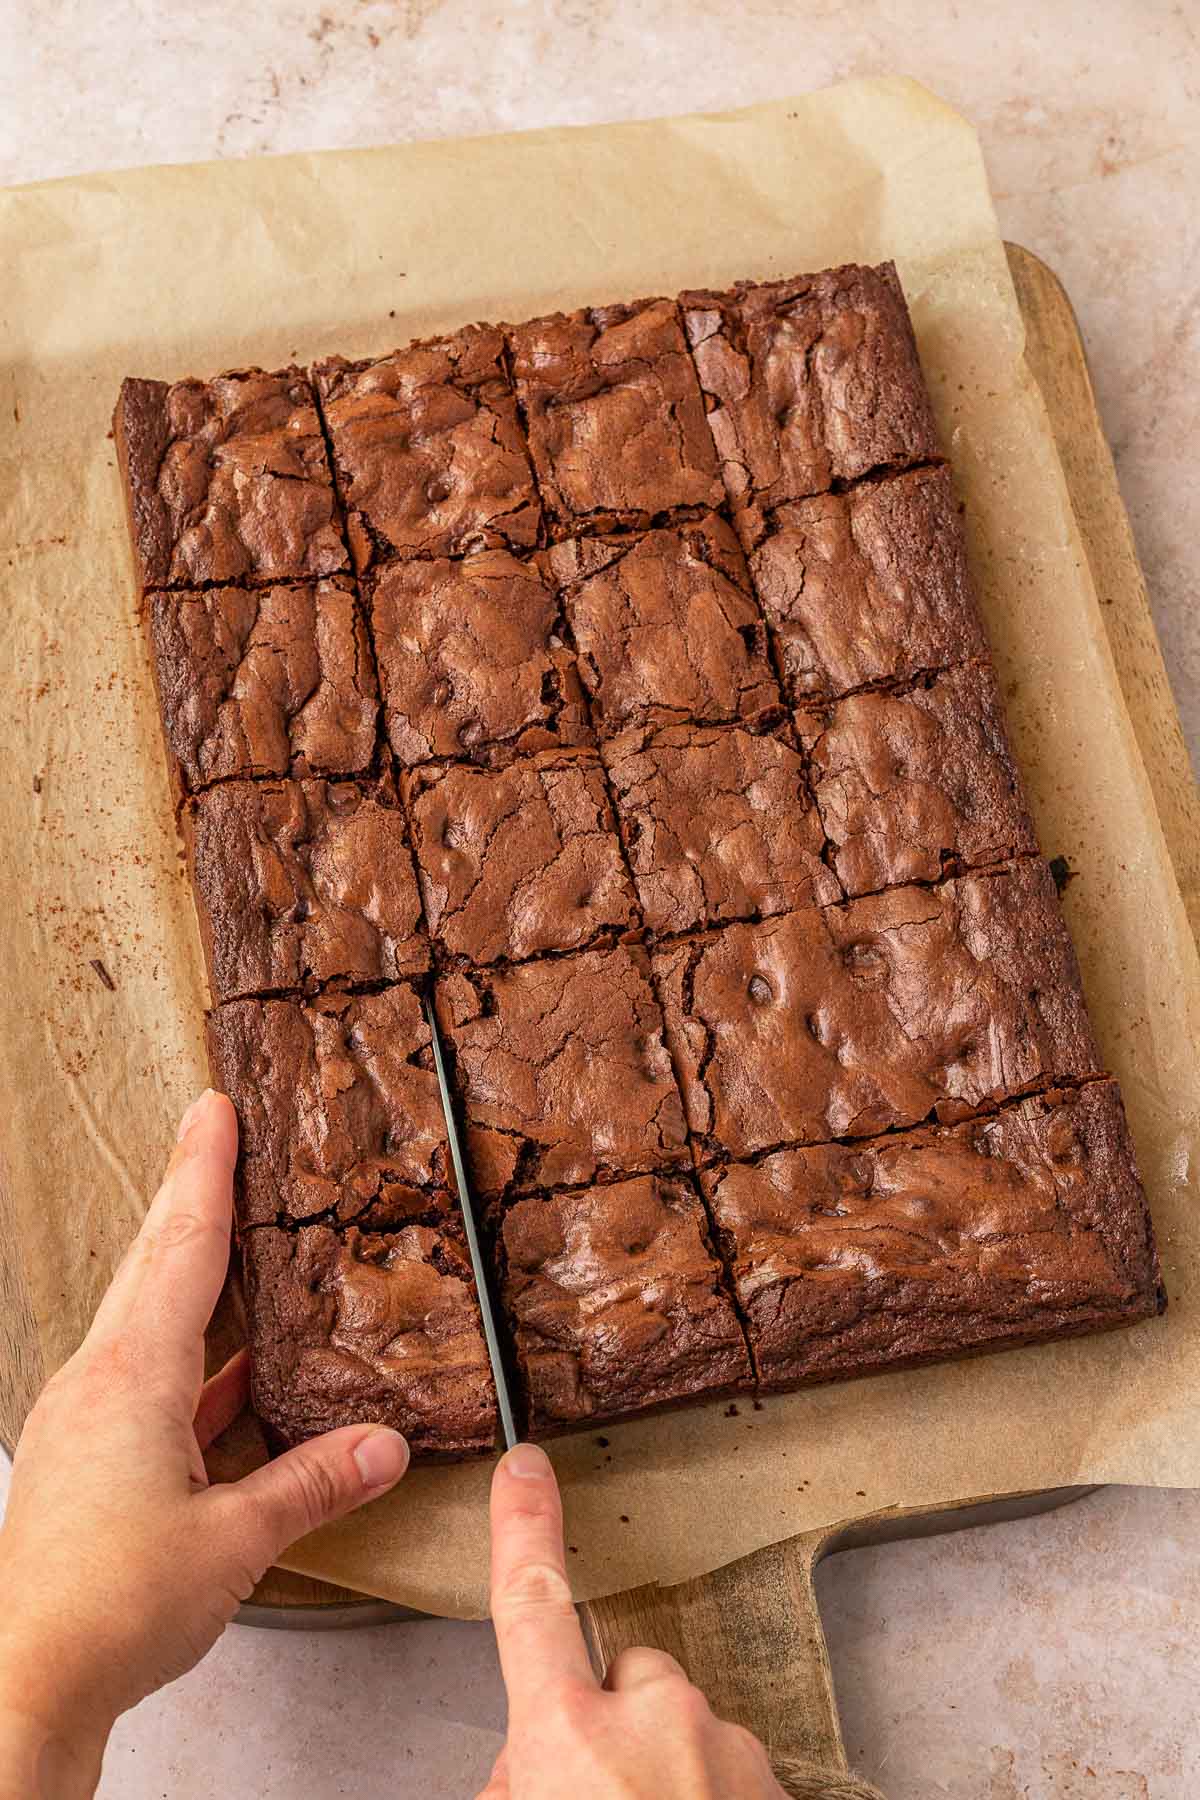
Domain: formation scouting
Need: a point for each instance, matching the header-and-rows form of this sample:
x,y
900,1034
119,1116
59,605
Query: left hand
x,y
119,1565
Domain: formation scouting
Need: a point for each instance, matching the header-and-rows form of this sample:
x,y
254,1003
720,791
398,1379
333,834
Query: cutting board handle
x,y
750,1637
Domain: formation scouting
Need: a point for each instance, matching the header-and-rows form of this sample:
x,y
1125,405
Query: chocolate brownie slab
x,y
616,1303
302,883
429,454
719,824
877,1013
352,1327
264,681
853,1258
519,860
614,415
227,480
339,1107
914,785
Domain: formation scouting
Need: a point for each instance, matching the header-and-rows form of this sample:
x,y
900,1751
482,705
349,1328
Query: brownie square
x,y
718,824
348,1327
665,627
300,883
227,480
808,382
614,415
562,1070
848,1259
340,1113
913,786
428,450
471,659
855,1019
264,681
868,587
616,1303
519,860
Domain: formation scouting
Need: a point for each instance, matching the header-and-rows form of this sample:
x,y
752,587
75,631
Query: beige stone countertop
x,y
1055,1659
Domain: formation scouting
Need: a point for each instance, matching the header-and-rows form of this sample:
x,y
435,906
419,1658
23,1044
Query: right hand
x,y
646,1734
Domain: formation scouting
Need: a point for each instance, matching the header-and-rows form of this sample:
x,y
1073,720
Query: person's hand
x,y
119,1565
647,1732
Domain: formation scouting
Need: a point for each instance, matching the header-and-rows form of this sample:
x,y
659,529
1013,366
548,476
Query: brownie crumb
x,y
1062,872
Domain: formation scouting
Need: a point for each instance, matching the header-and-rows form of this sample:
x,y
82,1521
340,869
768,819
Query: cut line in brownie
x,y
616,1303
561,1071
429,453
718,824
1030,1224
472,660
349,1328
614,416
341,1118
263,681
875,1014
665,626
302,883
227,480
915,785
869,587
517,861
809,382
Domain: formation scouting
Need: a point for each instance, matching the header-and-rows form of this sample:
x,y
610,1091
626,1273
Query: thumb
x,y
312,1484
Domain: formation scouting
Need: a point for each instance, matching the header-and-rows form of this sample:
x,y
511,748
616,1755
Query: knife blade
x,y
474,1243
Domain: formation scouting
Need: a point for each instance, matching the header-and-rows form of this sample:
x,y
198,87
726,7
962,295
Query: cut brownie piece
x,y
913,786
429,454
339,1107
299,883
665,626
470,658
877,1013
614,415
562,1070
719,824
1030,1224
348,1327
227,480
809,382
868,587
616,1303
519,860
264,681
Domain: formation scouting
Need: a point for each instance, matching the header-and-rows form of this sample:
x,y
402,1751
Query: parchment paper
x,y
170,272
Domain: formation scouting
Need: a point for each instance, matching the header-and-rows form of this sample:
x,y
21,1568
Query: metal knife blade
x,y
474,1245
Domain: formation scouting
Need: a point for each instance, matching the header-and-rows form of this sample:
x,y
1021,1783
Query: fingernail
x,y
189,1117
528,1463
382,1458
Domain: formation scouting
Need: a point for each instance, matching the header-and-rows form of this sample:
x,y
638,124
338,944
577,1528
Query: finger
x,y
537,1630
314,1483
638,1665
497,1787
169,1282
222,1398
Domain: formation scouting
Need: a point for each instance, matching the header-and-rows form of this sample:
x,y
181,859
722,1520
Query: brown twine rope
x,y
805,1781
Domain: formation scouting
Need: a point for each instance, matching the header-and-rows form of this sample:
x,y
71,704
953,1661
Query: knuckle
x,y
180,1230
313,1492
534,1587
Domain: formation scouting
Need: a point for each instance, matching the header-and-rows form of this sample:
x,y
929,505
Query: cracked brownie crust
x,y
875,1014
355,1327
302,883
852,1258
616,1302
520,860
910,786
718,824
339,1107
430,457
263,681
226,480
665,626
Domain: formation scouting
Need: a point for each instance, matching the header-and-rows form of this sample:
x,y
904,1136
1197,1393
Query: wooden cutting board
x,y
750,1634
